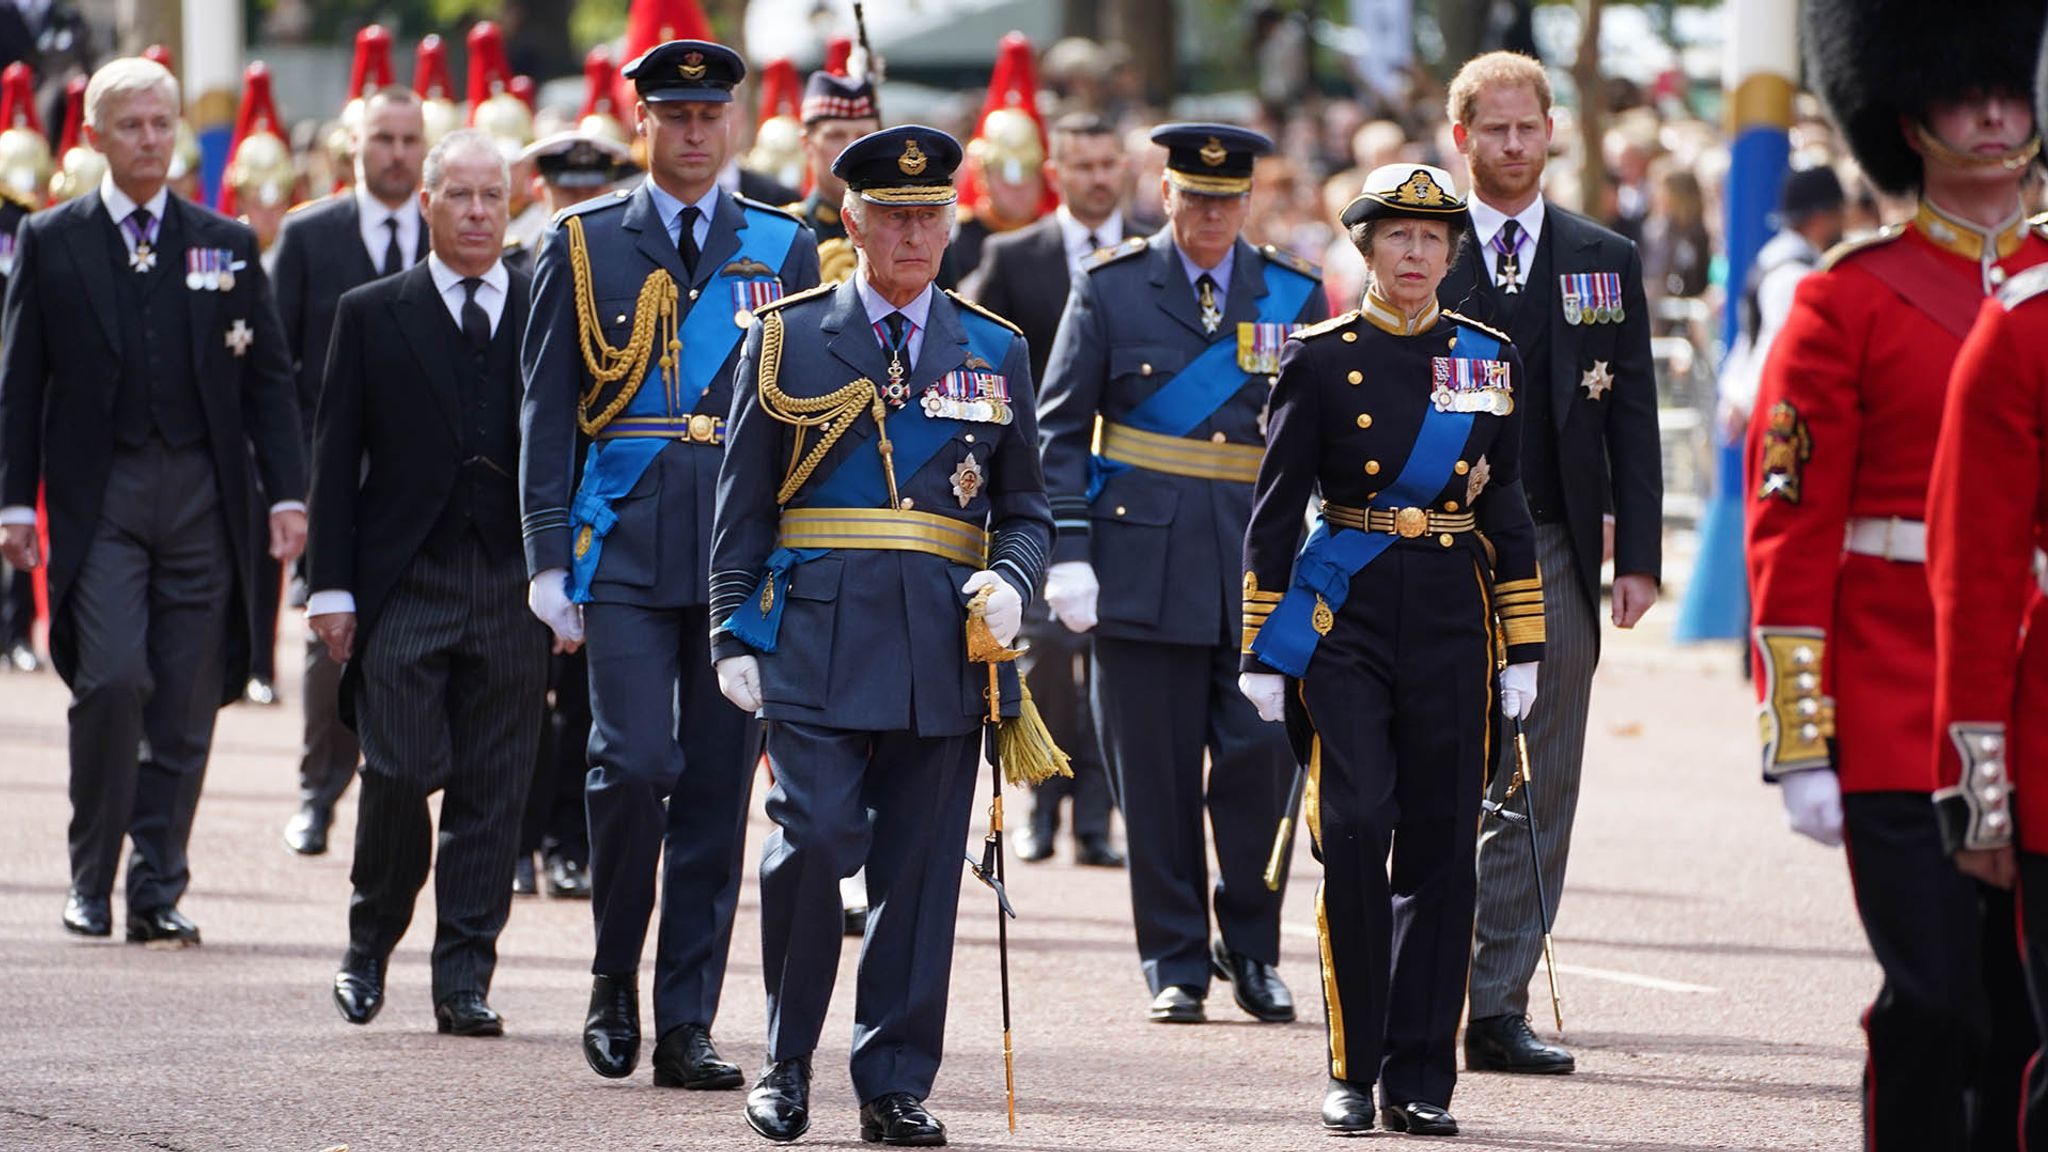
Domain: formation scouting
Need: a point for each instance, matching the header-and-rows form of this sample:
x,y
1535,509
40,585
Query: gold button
x,y
1216,438
1355,376
1365,419
1144,369
1461,468
1351,337
1444,539
1370,495
1372,467
1450,505
1119,509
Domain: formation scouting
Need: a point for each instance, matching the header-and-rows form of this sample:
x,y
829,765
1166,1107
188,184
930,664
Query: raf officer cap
x,y
580,160
686,70
1416,191
1210,159
829,97
907,164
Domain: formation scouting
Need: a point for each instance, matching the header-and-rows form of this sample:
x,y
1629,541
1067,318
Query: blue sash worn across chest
x,y
1328,560
1197,391
858,481
708,335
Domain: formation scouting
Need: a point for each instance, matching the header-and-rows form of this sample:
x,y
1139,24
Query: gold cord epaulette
x,y
835,411
1102,257
1342,320
654,318
1291,261
793,297
1467,321
971,306
1848,248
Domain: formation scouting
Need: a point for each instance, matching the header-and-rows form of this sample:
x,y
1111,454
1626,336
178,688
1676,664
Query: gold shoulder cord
x,y
835,411
656,309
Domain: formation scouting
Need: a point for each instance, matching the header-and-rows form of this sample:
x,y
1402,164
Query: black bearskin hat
x,y
1874,61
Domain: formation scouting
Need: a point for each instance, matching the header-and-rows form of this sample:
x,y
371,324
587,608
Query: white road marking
x,y
1633,979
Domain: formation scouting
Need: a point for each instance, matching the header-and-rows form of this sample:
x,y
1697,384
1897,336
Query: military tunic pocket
x,y
799,671
632,549
1132,526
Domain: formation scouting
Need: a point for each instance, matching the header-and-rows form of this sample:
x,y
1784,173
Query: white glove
x,y
739,680
1268,693
1813,805
547,595
1004,611
1518,690
1070,591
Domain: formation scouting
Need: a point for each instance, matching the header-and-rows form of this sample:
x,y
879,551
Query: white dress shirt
x,y
1486,224
370,217
1076,234
671,210
918,311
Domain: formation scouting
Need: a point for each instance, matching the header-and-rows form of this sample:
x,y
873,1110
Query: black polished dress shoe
x,y
1177,1004
567,879
1032,848
1347,1108
779,1107
306,833
88,915
1096,853
359,988
686,1058
611,1033
1254,984
899,1118
1505,1044
523,882
163,928
1419,1119
467,1014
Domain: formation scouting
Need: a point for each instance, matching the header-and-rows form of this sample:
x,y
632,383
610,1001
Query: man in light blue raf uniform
x,y
882,471
1172,343
640,300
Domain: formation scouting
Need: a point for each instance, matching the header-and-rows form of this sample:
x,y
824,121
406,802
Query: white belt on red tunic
x,y
1887,538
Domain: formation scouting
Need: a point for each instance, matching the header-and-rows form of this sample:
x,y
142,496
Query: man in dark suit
x,y
1172,342
621,549
418,583
142,363
1571,294
325,249
873,711
1024,277
17,585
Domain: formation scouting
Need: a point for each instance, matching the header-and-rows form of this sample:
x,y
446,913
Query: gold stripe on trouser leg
x,y
1334,1005
1493,654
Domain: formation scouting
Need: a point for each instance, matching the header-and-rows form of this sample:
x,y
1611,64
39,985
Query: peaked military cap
x,y
829,97
1417,191
907,164
580,160
686,70
1211,159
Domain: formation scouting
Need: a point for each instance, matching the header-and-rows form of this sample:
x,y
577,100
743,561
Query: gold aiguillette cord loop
x,y
654,321
834,412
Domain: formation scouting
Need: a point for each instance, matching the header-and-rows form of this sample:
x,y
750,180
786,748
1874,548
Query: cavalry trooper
x,y
882,470
640,299
1848,412
1157,521
836,111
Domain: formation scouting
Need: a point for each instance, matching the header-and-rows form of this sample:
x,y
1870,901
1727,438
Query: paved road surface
x,y
1712,969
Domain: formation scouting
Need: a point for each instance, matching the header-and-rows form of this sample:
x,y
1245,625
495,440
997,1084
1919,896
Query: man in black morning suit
x,y
418,583
142,363
325,249
1570,293
1024,277
1172,342
618,535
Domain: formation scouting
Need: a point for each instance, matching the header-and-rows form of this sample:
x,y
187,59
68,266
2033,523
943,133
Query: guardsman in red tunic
x,y
1986,522
1840,449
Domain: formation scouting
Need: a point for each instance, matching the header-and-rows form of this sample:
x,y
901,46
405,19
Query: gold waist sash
x,y
881,529
1407,523
1179,456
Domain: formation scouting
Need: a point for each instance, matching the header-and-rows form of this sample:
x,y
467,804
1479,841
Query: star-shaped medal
x,y
1597,380
143,258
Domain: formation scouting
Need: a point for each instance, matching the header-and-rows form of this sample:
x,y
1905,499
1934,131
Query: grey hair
x,y
122,78
462,141
856,209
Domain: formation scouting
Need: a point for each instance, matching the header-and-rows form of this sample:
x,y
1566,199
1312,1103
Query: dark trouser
x,y
1159,707
327,759
1949,1032
2033,908
555,821
452,676
898,804
17,607
1398,699
1056,667
267,591
150,605
661,731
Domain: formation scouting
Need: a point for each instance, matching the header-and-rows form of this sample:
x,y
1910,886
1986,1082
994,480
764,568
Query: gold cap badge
x,y
692,66
1420,191
912,162
1214,153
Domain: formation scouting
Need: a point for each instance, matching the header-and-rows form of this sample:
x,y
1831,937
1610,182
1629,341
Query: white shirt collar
x,y
119,206
374,212
447,279
1108,232
918,311
1486,221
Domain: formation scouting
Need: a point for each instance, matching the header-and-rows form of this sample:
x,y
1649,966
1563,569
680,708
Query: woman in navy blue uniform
x,y
1378,640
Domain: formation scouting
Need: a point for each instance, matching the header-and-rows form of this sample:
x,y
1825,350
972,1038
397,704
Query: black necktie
x,y
1094,242
1507,244
686,240
394,256
476,323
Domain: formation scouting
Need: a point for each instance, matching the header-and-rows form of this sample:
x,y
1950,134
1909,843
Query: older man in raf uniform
x,y
639,302
883,470
1159,517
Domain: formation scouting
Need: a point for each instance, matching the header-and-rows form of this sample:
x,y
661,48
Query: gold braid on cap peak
x,y
836,411
654,318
